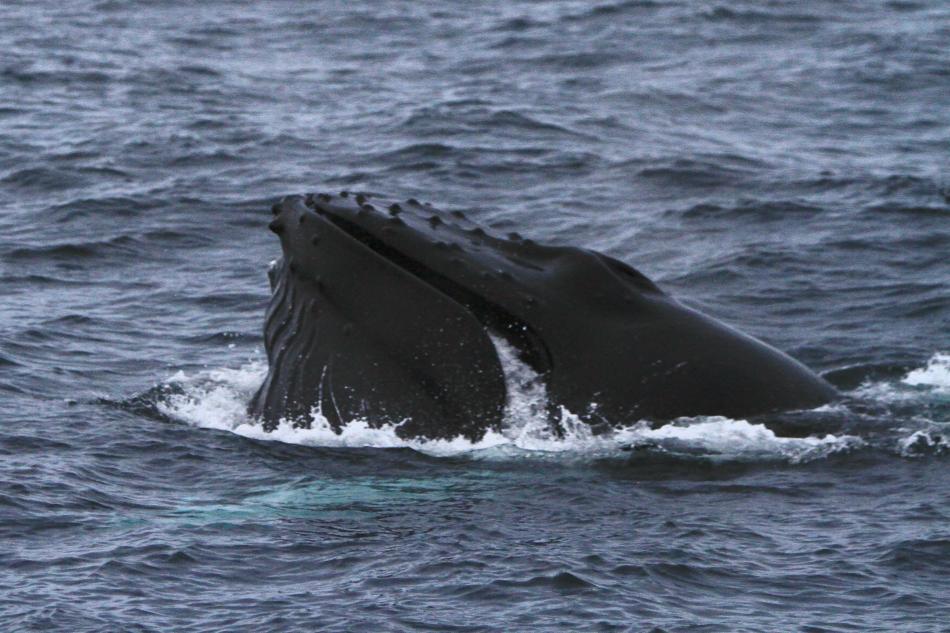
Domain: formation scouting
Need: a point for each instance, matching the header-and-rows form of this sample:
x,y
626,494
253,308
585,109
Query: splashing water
x,y
936,374
930,383
218,399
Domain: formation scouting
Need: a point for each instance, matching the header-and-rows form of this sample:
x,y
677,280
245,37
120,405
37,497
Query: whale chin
x,y
384,311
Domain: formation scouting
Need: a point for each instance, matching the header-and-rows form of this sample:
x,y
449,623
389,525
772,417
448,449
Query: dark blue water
x,y
785,166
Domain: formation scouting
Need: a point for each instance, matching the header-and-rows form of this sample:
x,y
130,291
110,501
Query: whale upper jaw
x,y
382,309
488,277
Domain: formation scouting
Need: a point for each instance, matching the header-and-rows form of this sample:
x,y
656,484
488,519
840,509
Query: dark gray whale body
x,y
383,311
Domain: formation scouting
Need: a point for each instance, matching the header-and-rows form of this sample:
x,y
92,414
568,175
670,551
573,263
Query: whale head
x,y
386,310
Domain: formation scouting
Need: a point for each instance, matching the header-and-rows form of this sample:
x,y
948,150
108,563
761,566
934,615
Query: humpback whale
x,y
385,311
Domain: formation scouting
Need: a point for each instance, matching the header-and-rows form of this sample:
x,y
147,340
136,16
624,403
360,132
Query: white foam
x,y
922,384
218,399
924,442
738,439
936,374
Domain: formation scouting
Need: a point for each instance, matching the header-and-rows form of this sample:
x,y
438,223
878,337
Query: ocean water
x,y
784,166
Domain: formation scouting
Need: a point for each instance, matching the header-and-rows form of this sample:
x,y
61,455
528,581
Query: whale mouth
x,y
493,316
399,314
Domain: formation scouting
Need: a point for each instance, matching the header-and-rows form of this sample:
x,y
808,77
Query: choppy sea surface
x,y
784,166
